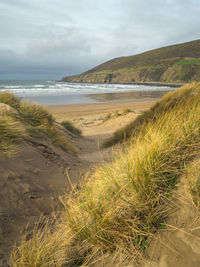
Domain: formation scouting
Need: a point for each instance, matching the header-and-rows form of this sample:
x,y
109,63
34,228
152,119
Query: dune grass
x,y
11,132
193,182
37,121
45,248
10,99
116,114
70,127
167,103
124,203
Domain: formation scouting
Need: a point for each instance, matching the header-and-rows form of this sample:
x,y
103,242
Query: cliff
x,y
178,63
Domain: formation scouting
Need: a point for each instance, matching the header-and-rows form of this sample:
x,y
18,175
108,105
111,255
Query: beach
x,y
91,118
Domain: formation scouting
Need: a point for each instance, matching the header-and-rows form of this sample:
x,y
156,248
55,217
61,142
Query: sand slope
x,y
30,183
178,244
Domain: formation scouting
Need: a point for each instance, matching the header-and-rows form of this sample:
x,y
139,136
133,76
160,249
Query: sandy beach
x,y
90,118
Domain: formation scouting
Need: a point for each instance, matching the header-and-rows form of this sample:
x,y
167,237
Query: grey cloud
x,y
48,38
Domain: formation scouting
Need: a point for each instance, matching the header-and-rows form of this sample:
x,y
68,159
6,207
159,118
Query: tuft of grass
x,y
126,111
11,132
10,99
46,247
34,114
107,117
193,181
116,114
70,127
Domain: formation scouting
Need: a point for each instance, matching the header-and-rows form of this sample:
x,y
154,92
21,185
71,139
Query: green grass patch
x,y
187,62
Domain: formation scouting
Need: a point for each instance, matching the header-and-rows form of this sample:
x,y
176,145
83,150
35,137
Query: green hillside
x,y
178,63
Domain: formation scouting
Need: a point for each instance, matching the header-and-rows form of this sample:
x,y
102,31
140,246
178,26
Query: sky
x,y
48,39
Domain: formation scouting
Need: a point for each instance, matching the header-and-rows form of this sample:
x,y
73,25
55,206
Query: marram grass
x,y
167,103
11,132
37,121
70,127
45,247
193,182
10,99
124,203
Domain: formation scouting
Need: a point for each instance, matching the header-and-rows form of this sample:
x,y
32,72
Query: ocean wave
x,y
9,86
39,88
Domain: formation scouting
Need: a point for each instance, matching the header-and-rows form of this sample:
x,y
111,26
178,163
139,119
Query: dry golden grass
x,y
37,121
70,127
117,113
10,99
46,247
124,203
167,103
192,182
11,132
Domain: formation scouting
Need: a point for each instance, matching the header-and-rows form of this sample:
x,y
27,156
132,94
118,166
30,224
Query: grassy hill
x,y
178,63
112,218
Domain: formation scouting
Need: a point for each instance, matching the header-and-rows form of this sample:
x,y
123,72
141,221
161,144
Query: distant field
x,y
188,62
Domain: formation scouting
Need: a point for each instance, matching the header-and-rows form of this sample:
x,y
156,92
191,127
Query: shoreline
x,y
108,97
90,118
172,85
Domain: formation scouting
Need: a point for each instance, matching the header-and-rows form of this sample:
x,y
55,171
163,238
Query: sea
x,y
61,93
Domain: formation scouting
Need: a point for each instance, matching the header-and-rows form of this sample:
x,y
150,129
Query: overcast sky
x,y
48,39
